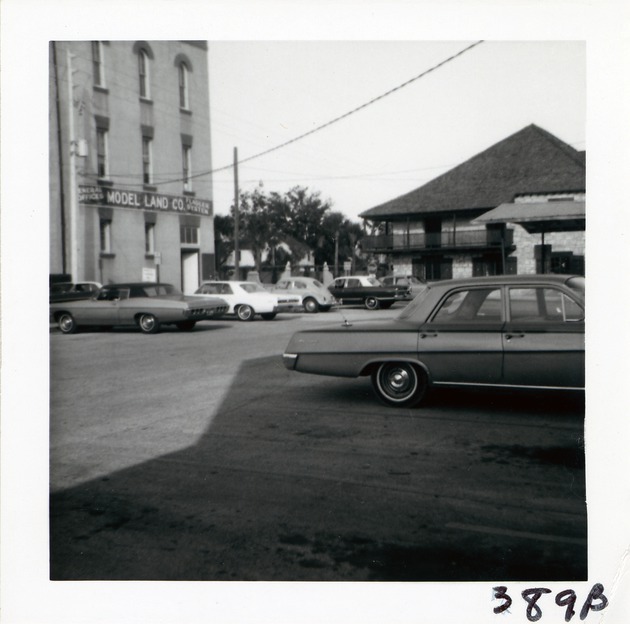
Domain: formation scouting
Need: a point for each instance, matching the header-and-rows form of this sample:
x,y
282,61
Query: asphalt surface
x,y
198,456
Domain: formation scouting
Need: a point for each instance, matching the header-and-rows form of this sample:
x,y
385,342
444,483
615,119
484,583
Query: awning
x,y
539,217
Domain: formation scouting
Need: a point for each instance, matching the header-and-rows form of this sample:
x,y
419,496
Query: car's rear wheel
x,y
245,313
269,316
148,324
310,305
400,384
186,325
371,303
66,323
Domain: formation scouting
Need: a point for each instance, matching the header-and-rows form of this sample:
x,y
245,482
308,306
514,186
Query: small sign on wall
x,y
149,274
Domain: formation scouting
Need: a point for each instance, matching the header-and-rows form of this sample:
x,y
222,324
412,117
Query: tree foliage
x,y
299,219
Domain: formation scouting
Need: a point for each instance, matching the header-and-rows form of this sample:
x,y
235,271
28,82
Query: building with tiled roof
x,y
445,228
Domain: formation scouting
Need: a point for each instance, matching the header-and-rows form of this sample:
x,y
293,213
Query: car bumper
x,y
289,360
201,314
287,303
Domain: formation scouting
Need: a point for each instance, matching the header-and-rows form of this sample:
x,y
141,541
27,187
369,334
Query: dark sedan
x,y
145,305
522,331
368,291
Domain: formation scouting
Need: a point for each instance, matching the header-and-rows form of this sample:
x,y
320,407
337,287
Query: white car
x,y
314,295
246,299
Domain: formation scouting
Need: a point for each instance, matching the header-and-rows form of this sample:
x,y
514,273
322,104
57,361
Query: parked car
x,y
366,290
146,305
314,296
246,299
415,285
515,331
69,291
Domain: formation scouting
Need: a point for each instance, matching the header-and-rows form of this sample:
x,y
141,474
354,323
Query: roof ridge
x,y
516,164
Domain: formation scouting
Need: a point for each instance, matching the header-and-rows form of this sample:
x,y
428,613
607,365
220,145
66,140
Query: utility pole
x,y
60,154
74,263
236,216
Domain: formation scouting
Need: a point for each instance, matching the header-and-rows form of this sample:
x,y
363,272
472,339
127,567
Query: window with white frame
x,y
98,64
149,238
144,74
147,160
183,86
106,235
187,168
102,155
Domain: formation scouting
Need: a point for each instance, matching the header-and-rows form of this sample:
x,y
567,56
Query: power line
x,y
354,110
336,119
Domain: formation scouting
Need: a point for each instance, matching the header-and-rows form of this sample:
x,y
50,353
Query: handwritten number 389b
x,y
596,601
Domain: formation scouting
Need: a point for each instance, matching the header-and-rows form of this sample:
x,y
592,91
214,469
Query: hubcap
x,y
399,380
66,323
148,322
398,383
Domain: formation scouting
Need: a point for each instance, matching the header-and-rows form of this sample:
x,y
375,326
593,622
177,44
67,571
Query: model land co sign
x,y
98,195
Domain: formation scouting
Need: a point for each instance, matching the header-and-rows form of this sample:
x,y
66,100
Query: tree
x,y
223,238
299,218
255,225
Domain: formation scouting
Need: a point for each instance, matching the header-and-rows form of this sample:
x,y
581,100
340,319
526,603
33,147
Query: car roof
x,y
546,278
135,284
228,282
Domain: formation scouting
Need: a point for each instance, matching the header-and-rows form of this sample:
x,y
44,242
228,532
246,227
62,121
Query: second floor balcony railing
x,y
462,239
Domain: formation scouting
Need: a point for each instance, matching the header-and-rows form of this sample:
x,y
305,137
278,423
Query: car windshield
x,y
410,309
252,287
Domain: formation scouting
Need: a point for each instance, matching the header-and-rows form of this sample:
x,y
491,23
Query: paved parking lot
x,y
198,456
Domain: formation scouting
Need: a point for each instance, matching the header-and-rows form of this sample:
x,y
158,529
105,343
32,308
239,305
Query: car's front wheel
x,y
245,313
148,324
371,303
310,305
399,384
66,323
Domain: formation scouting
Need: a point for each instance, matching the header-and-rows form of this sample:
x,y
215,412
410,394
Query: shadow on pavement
x,y
281,488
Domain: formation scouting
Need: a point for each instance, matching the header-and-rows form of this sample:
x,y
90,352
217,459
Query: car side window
x,y
300,285
283,284
338,283
104,295
226,289
354,283
540,305
478,305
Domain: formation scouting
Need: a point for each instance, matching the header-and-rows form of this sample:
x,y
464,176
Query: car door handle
x,y
518,335
428,335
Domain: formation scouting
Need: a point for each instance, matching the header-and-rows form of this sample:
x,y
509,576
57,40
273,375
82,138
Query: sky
x,y
265,93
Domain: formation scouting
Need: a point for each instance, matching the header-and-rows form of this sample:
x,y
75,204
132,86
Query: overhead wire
x,y
332,121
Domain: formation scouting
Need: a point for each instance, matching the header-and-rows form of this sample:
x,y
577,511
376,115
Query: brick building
x,y
517,207
130,189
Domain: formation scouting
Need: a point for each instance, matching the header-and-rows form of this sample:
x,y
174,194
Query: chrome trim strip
x,y
485,385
